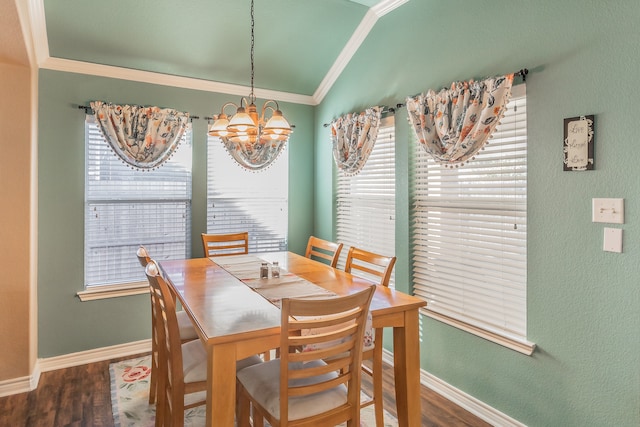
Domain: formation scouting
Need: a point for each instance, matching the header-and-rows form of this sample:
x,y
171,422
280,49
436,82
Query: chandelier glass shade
x,y
254,141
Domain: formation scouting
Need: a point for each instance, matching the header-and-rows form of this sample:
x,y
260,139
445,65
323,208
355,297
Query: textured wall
x,y
67,325
583,303
16,281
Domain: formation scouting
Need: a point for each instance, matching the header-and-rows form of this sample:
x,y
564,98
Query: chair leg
x,y
243,408
158,370
258,421
378,398
153,381
160,403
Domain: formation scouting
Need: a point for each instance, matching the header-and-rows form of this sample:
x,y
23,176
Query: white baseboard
x,y
29,383
462,399
19,385
95,355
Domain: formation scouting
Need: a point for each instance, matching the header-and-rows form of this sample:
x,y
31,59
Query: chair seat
x,y
185,326
263,382
194,362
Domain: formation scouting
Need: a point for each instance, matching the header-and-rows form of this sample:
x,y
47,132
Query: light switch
x,y
608,210
612,240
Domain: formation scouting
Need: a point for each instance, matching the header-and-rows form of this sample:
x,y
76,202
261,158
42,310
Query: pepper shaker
x,y
264,271
275,269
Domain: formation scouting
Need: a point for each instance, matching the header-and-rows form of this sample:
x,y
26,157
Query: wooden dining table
x,y
234,321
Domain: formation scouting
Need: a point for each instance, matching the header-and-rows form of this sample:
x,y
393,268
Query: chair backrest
x,y
225,244
143,256
319,249
170,381
329,330
371,263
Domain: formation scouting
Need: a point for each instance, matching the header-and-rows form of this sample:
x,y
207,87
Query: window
x,y
125,208
470,235
241,200
366,202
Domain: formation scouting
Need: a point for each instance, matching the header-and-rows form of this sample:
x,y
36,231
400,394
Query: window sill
x,y
523,347
113,291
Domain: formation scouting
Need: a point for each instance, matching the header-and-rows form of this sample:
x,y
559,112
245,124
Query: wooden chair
x,y
182,367
377,266
300,388
225,244
319,249
185,327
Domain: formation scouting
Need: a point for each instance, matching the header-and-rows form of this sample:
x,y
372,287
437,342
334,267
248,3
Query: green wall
x,y
66,325
583,303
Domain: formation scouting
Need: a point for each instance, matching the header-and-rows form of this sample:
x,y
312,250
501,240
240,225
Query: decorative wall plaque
x,y
578,143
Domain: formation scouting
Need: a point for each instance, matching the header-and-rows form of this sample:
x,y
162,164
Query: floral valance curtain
x,y
143,137
454,124
254,157
353,136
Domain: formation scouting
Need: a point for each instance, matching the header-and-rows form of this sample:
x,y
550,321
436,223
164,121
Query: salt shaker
x,y
275,269
264,271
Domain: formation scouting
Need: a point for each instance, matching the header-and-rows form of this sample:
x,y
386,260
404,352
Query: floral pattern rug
x,y
130,398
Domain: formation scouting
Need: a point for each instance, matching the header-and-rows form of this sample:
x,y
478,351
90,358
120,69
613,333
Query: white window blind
x,y
470,232
125,208
366,202
241,200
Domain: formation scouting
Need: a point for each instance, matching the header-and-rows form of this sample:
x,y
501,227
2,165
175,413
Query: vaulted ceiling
x,y
301,46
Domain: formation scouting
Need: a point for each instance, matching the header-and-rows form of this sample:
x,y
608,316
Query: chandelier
x,y
253,141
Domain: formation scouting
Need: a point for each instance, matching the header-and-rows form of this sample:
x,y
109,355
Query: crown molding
x,y
352,46
386,6
32,25
361,33
35,25
71,66
38,31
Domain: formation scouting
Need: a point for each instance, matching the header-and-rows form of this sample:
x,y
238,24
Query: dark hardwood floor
x,y
80,396
437,411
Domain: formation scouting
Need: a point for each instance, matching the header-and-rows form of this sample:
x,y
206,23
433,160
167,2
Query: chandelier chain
x,y
252,48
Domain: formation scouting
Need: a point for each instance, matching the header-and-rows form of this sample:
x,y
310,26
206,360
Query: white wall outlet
x,y
612,240
608,210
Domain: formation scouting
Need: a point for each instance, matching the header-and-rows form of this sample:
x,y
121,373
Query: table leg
x,y
406,356
221,385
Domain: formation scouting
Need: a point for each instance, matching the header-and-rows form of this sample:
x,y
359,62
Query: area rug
x,y
130,399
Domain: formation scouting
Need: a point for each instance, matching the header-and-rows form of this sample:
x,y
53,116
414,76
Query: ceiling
x,y
301,46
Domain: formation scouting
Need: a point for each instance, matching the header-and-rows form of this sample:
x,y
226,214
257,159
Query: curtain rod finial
x,y
523,72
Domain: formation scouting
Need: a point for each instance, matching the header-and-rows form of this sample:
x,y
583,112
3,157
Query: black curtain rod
x,y
391,110
523,73
89,110
385,110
